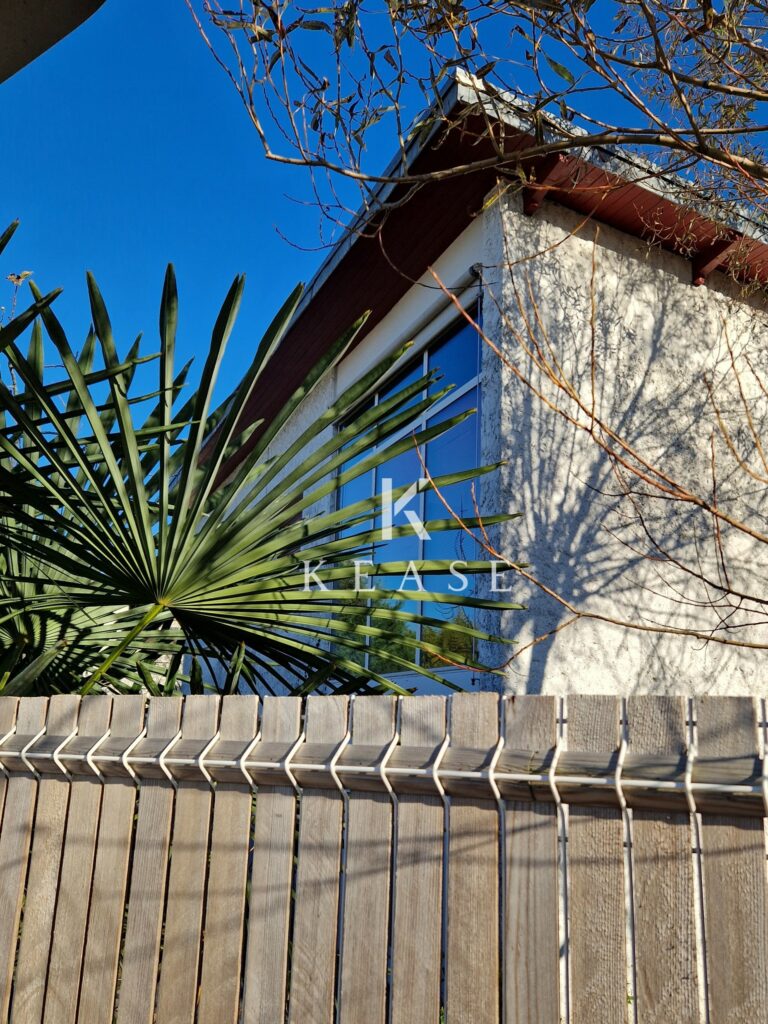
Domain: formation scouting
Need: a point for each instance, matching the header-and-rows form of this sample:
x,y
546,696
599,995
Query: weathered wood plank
x,y
69,929
8,709
141,951
664,908
734,870
365,933
15,842
531,898
177,988
266,958
227,878
596,874
317,879
44,863
418,881
110,875
472,953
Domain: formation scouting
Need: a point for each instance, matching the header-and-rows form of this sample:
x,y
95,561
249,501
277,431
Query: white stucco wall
x,y
654,338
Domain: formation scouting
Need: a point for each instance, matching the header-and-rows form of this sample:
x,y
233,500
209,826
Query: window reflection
x,y
456,357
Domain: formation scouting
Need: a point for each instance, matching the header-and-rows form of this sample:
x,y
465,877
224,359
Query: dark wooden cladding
x,y
30,27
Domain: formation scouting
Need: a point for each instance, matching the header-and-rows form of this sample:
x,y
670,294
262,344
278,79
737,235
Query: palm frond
x,y
123,551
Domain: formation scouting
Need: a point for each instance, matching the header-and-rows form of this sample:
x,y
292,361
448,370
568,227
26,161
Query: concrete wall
x,y
654,338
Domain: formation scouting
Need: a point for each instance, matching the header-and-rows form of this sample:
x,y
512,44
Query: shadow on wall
x,y
624,327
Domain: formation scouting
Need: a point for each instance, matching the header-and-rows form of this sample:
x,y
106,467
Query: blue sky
x,y
124,148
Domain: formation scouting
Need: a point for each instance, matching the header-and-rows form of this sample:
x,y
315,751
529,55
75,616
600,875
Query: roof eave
x,y
30,27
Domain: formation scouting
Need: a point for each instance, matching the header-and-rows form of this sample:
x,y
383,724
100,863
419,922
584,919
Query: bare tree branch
x,y
330,86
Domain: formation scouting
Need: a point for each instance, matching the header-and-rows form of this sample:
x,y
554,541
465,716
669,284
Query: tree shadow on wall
x,y
637,356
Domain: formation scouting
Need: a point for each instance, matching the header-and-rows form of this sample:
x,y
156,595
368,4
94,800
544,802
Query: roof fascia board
x,y
633,168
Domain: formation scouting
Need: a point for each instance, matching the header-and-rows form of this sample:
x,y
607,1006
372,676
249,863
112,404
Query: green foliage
x,y
130,542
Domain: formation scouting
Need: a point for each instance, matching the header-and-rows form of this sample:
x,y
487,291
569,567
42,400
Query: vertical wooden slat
x,y
531,899
317,879
227,878
596,871
76,871
110,875
363,991
15,841
734,870
138,983
665,926
418,881
44,862
8,709
266,960
472,954
177,988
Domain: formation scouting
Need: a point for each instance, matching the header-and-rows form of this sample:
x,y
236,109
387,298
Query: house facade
x,y
616,353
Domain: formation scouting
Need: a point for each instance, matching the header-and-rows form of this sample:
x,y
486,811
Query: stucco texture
x,y
638,343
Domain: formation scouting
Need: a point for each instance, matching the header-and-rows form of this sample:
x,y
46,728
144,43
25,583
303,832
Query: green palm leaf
x,y
124,551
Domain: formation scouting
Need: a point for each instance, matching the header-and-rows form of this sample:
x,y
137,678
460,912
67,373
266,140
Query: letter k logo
x,y
391,508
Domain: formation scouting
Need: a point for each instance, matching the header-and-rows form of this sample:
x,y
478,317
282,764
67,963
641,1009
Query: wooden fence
x,y
381,861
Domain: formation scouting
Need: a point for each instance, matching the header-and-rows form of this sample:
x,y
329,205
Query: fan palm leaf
x,y
128,542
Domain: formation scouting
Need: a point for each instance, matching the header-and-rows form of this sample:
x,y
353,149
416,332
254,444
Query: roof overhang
x,y
385,251
30,27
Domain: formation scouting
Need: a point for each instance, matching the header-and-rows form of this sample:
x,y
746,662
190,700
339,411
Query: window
x,y
456,354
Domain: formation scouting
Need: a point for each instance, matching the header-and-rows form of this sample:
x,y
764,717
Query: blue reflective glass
x,y
447,583
457,357
399,549
358,489
402,380
451,545
410,581
401,471
451,452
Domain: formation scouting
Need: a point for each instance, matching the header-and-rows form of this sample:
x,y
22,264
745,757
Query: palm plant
x,y
127,545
